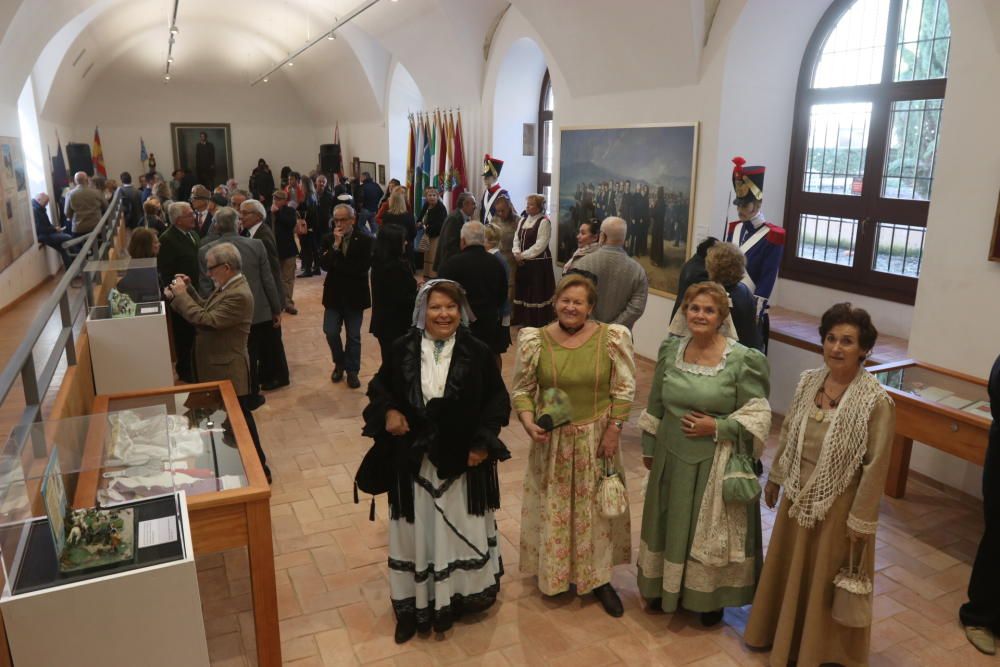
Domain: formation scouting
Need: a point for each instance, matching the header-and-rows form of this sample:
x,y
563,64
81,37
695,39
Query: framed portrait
x,y
205,150
528,139
643,174
995,243
367,167
356,168
381,174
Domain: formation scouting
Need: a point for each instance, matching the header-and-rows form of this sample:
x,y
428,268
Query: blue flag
x,y
143,155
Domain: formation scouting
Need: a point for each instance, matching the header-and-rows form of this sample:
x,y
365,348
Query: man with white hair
x,y
485,282
84,205
179,256
223,324
47,233
622,285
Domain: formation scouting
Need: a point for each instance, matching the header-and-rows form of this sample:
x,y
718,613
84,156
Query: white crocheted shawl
x,y
843,450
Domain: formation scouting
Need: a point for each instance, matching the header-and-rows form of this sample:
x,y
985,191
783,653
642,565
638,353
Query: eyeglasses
x,y
214,267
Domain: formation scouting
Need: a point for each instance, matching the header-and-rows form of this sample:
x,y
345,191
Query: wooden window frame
x,y
543,178
870,207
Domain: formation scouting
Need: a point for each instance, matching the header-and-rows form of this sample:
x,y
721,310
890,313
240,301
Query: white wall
x,y
515,102
404,99
266,122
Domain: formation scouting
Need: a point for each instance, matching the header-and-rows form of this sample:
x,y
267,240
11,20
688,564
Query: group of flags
x,y
60,174
436,157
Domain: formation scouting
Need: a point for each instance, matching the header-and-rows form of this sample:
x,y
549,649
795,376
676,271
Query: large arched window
x,y
546,105
864,139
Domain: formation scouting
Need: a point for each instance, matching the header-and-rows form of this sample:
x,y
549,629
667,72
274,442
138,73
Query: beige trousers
x,y
288,278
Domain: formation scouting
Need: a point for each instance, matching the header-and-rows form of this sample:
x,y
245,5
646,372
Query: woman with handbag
x,y
707,417
568,534
431,217
813,604
437,405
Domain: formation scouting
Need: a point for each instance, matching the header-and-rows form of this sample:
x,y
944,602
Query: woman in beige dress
x,y
832,461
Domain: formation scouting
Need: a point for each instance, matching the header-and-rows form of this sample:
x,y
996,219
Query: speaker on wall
x,y
329,158
79,159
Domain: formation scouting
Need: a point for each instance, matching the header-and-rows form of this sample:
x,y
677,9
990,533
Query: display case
x,y
229,506
939,407
127,328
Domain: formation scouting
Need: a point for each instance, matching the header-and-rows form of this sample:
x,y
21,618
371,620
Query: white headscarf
x,y
420,307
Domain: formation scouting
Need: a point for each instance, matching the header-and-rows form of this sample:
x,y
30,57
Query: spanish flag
x,y
98,155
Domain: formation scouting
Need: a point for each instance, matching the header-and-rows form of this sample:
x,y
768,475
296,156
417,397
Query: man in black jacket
x,y
325,202
46,232
131,200
485,282
346,257
179,256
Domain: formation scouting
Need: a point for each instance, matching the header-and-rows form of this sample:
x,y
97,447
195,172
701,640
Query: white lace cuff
x,y
859,526
648,423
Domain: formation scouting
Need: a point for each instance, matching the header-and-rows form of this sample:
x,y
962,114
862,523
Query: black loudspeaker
x,y
79,159
329,158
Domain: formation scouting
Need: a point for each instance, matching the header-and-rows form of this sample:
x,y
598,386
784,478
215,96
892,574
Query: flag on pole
x,y
143,155
418,170
409,161
442,157
98,155
426,159
434,149
458,170
60,176
336,141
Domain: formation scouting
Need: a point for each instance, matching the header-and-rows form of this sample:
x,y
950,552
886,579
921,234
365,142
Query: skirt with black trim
x,y
447,560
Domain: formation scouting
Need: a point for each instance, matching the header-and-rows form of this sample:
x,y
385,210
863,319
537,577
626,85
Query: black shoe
x,y
267,473
443,621
352,380
710,618
337,375
406,627
291,310
271,386
424,627
654,605
255,401
609,599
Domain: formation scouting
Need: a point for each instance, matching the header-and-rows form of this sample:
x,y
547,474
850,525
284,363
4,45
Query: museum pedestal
x,y
148,612
130,353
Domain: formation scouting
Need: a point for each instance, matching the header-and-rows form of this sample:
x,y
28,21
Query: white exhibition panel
x,y
131,353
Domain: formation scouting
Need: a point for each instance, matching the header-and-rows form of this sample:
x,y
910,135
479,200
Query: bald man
x,y
84,205
622,285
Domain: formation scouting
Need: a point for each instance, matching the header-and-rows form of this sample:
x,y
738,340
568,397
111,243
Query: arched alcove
x,y
404,97
515,102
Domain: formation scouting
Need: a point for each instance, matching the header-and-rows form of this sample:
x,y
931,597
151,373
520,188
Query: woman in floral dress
x,y
564,539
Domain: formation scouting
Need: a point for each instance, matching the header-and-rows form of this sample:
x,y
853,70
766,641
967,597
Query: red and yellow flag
x,y
97,155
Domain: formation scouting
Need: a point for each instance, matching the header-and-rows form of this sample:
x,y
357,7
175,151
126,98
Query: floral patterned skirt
x,y
564,538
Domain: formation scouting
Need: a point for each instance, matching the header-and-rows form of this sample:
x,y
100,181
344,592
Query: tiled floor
x,y
333,592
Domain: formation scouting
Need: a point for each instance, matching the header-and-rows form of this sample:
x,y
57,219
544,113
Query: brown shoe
x,y
982,639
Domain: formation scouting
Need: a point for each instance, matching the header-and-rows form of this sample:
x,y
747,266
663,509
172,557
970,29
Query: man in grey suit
x,y
273,366
257,270
622,285
451,231
84,205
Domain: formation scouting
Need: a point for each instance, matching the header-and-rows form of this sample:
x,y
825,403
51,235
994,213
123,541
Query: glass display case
x,y
137,278
936,386
85,459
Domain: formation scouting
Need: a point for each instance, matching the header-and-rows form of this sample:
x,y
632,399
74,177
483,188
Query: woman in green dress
x,y
708,401
564,538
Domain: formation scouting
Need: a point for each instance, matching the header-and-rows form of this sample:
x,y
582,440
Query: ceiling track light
x,y
329,34
331,37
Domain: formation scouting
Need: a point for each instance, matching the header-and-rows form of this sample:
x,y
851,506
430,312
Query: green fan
x,y
554,409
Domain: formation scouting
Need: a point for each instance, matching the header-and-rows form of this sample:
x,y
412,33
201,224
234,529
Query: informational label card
x,y
157,531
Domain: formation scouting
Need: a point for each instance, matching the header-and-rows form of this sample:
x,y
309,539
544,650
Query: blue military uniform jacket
x,y
763,254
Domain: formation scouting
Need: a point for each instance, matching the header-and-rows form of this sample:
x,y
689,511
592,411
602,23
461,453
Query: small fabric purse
x,y
739,482
852,593
423,241
612,499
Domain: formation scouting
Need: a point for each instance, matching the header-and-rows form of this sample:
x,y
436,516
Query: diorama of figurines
x,y
120,304
97,537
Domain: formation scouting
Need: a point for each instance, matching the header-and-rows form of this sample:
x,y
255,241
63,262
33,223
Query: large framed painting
x,y
16,218
205,150
367,167
643,174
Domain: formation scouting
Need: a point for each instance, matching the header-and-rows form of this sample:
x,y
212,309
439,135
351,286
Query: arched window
x,y
546,105
864,139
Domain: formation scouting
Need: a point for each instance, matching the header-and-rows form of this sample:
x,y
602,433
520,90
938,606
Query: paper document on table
x,y
157,531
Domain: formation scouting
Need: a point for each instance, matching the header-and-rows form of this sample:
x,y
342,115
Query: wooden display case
x,y
942,408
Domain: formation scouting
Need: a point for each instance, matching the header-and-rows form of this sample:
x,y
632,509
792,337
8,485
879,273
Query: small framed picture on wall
x,y
381,174
528,139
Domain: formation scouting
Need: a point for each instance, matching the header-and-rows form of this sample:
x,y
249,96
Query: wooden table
x,y
928,409
226,519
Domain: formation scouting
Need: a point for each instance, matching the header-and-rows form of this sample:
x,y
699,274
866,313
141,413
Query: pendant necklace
x,y
571,331
820,414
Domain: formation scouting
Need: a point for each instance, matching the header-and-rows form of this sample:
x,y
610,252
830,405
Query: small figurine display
x,y
97,537
120,304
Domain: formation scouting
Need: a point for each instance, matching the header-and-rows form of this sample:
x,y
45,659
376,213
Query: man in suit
x,y
284,220
485,283
131,200
85,205
273,366
200,199
622,285
204,161
223,324
179,256
325,202
266,294
449,242
346,256
46,232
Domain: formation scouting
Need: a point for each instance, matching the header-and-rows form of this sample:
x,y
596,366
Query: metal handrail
x,y
22,362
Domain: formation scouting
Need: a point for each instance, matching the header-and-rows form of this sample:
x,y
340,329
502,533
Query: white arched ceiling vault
x,y
404,97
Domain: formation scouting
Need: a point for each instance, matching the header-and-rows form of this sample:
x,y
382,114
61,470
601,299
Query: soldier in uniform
x,y
492,190
761,242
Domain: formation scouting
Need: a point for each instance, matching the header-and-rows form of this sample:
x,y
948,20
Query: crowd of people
x,y
445,291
